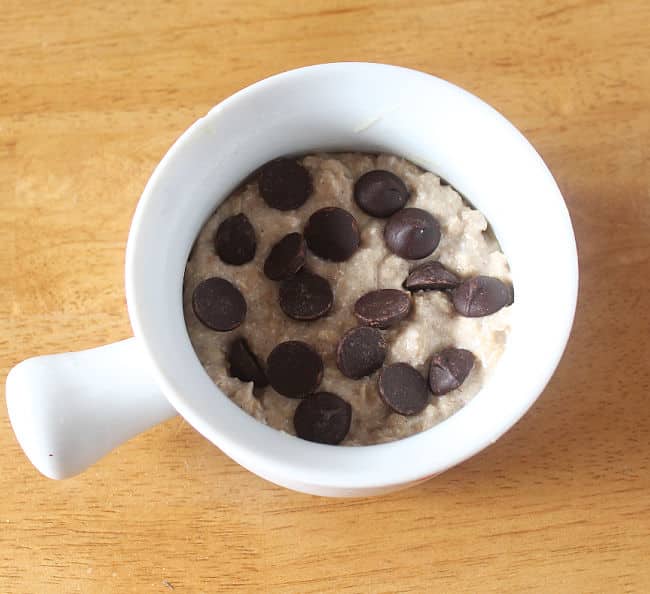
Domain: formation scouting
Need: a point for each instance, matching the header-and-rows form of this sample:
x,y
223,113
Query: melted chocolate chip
x,y
294,369
332,233
285,184
403,389
244,365
235,241
431,276
323,418
360,352
286,257
382,308
218,304
306,296
481,296
448,370
380,193
412,233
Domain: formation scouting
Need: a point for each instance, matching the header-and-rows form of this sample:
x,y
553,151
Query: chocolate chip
x,y
412,233
218,304
448,370
294,369
323,417
244,365
382,308
431,276
332,234
380,193
285,184
481,296
360,352
235,241
306,296
403,389
286,257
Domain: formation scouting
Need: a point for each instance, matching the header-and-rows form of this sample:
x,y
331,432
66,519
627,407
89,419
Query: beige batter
x,y
466,248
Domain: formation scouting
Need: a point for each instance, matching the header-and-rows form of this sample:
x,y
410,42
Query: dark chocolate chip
x,y
323,417
332,233
294,369
244,365
403,389
218,304
306,296
481,296
285,184
286,257
449,369
380,193
382,308
235,241
412,233
360,352
431,276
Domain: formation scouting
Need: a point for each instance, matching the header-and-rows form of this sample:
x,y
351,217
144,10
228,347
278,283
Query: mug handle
x,y
71,409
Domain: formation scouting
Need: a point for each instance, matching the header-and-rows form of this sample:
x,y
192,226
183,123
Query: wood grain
x,y
91,96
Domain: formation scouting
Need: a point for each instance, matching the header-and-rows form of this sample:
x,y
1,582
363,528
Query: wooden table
x,y
92,95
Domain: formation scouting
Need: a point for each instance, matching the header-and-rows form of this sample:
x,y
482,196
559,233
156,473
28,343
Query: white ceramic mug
x,y
68,410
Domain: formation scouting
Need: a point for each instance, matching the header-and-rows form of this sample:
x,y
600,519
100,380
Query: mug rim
x,y
300,470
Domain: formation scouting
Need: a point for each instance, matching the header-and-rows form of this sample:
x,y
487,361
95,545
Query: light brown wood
x,y
91,96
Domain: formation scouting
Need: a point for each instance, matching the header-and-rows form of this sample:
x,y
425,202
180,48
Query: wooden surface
x,y
91,96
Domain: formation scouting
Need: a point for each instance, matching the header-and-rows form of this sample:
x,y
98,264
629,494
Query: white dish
x,y
68,410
